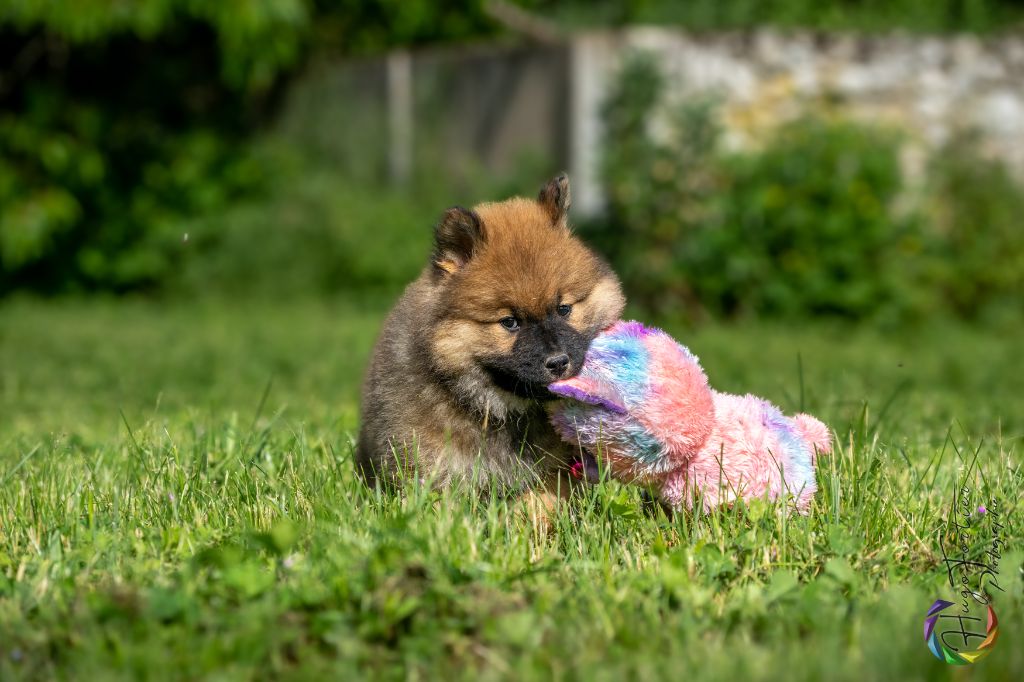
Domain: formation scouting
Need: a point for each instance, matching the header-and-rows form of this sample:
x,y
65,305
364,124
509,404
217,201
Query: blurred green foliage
x,y
254,39
123,124
857,15
121,121
318,236
818,221
976,245
807,225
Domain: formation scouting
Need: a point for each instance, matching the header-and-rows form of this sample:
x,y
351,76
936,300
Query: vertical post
x,y
400,116
586,60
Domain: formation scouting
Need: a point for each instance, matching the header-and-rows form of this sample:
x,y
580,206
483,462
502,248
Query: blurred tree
x,y
118,120
976,250
858,15
818,221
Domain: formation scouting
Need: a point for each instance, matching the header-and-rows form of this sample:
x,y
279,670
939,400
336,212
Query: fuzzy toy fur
x,y
642,404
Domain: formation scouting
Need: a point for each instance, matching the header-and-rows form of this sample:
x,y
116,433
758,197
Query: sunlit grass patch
x,y
177,499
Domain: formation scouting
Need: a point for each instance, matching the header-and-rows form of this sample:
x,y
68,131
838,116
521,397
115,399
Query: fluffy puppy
x,y
509,303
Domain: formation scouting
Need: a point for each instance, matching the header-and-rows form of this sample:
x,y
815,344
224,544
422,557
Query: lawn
x,y
177,501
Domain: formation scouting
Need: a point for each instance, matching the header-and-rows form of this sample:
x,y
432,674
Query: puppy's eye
x,y
510,323
564,309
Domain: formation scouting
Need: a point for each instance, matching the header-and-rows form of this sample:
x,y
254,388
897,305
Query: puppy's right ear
x,y
456,238
555,199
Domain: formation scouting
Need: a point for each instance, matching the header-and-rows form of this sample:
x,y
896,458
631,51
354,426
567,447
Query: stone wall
x,y
930,87
467,110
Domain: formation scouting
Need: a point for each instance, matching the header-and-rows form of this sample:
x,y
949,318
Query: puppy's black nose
x,y
557,365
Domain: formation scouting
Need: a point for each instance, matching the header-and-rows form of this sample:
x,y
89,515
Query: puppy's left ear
x,y
554,198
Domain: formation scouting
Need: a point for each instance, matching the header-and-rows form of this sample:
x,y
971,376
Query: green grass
x,y
177,500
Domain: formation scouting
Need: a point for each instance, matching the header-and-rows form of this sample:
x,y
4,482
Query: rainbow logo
x,y
945,653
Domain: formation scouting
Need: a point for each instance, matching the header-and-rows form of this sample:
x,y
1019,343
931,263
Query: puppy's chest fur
x,y
516,451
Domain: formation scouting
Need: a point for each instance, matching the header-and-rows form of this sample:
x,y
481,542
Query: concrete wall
x,y
459,111
929,87
481,109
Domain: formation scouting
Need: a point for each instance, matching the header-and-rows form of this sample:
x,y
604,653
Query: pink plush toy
x,y
642,405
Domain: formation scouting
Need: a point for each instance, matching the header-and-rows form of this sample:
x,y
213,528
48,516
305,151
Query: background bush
x,y
318,236
806,226
818,221
975,245
121,121
857,15
124,126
